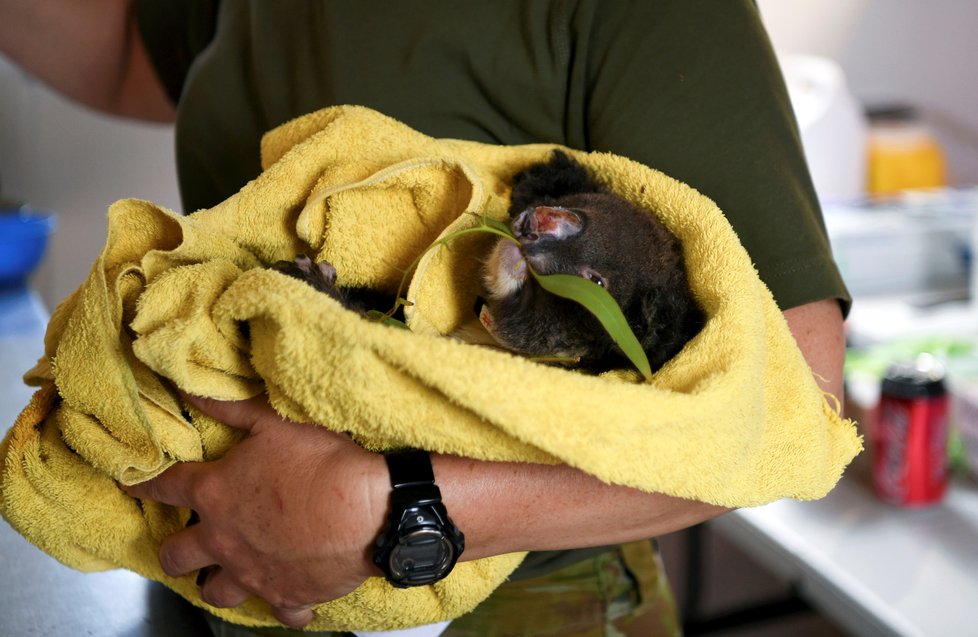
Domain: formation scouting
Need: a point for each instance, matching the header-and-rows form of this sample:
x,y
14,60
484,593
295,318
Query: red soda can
x,y
910,465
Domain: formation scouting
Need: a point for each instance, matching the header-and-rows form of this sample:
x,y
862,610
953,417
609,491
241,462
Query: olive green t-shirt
x,y
690,87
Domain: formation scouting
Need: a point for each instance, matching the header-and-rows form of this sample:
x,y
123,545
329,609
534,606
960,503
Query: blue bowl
x,y
24,235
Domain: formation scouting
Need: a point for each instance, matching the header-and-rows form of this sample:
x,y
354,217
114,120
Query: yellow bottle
x,y
903,155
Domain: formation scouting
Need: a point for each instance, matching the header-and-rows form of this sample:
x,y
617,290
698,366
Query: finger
x,y
294,617
183,552
241,414
173,486
221,591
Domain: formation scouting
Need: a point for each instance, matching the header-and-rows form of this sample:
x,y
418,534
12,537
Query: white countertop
x,y
876,570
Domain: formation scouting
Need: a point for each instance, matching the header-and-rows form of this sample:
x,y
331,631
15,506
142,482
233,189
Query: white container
x,y
832,125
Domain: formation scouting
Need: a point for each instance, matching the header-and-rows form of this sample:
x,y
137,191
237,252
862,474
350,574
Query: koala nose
x,y
540,222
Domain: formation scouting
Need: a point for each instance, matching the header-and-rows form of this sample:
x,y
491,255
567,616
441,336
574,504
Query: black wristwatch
x,y
419,544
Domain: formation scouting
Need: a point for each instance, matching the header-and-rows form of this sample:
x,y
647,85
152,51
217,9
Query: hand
x,y
287,515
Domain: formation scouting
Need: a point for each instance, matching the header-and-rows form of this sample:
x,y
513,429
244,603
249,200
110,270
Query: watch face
x,y
421,557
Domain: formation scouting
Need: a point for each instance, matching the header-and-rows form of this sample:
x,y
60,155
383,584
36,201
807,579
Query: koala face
x,y
601,237
587,238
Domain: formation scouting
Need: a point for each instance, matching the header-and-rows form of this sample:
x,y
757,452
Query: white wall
x,y
921,52
59,156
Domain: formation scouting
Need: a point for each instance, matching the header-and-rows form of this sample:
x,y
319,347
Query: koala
x,y
566,222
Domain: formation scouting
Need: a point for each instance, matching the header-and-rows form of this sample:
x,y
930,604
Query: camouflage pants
x,y
621,593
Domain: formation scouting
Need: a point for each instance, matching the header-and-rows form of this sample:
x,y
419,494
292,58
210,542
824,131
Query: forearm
x,y
504,507
818,330
89,50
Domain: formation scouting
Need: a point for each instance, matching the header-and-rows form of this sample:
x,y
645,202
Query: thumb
x,y
294,617
240,414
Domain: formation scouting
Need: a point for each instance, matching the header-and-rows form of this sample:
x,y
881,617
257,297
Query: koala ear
x,y
546,183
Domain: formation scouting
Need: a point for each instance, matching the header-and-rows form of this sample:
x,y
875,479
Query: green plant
x,y
592,296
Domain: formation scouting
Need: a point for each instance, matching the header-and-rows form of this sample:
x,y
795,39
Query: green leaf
x,y
386,319
592,296
499,226
599,302
486,224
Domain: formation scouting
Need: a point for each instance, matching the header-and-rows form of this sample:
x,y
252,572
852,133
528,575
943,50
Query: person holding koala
x,y
691,88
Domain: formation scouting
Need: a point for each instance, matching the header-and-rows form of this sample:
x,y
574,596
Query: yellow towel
x,y
735,419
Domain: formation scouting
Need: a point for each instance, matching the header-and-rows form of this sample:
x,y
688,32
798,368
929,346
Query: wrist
x,y
377,496
353,509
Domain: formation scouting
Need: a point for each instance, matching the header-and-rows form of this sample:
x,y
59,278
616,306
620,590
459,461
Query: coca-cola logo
x,y
938,450
891,466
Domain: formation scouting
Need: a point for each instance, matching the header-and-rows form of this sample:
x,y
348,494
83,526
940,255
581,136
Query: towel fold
x,y
735,419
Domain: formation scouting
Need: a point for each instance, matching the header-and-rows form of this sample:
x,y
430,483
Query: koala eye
x,y
594,277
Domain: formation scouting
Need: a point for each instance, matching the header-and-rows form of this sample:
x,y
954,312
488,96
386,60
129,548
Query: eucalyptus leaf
x,y
486,224
502,228
592,296
385,319
599,302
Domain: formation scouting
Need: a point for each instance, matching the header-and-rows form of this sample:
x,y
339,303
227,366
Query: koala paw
x,y
321,276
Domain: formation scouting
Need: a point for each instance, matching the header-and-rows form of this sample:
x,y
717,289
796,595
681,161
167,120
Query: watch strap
x,y
410,468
